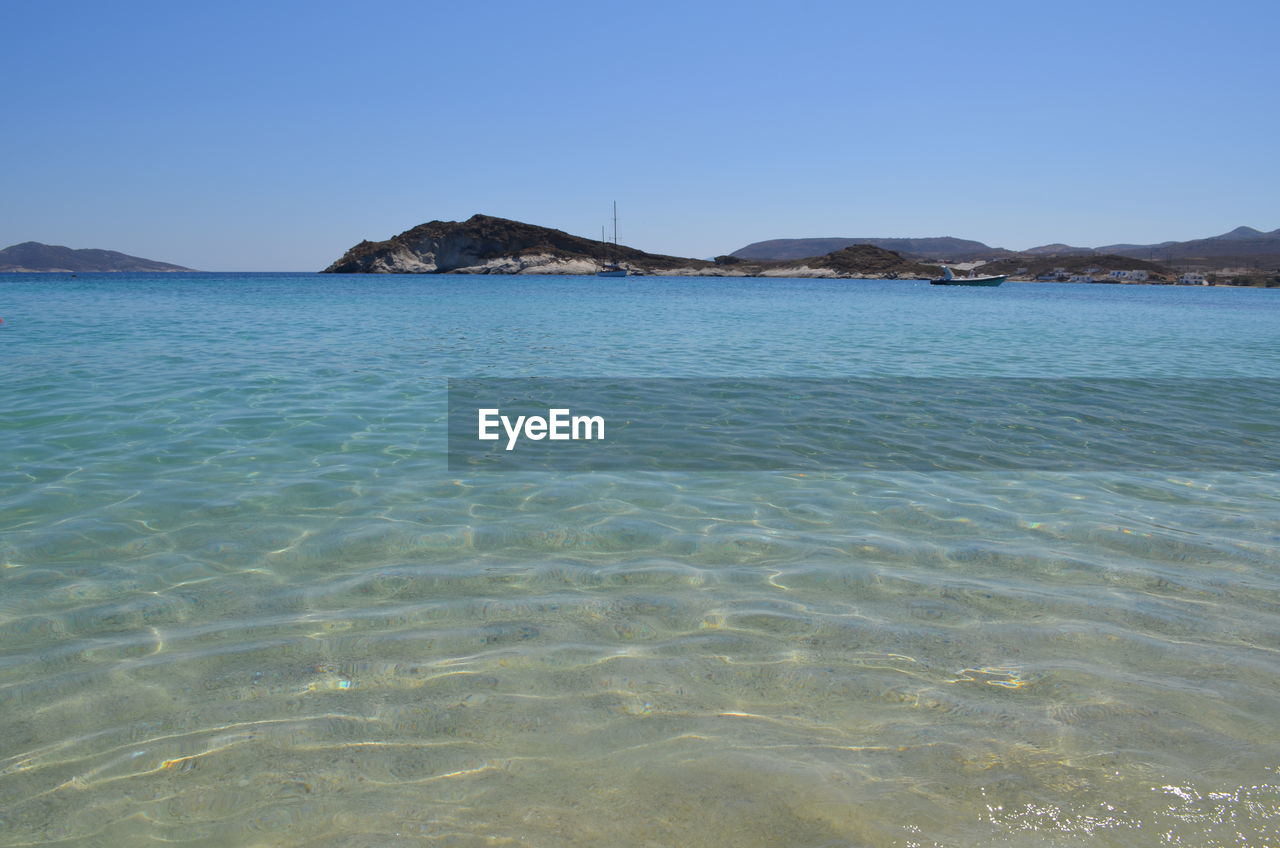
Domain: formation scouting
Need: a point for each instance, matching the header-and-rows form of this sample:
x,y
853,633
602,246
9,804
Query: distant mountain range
x,y
34,256
1242,246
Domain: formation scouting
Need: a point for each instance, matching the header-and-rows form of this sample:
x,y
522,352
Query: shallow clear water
x,y
243,601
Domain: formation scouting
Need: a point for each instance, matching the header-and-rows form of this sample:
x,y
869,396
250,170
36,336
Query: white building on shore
x,y
1129,276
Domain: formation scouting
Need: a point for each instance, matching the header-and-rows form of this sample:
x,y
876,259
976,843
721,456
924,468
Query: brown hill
x,y
869,259
483,244
1037,265
943,248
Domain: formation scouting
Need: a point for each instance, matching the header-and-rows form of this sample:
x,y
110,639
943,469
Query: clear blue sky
x,y
273,136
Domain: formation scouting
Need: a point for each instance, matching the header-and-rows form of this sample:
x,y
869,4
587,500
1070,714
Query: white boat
x,y
612,269
950,279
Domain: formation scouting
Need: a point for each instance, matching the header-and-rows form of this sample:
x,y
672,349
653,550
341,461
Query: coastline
x,y
551,269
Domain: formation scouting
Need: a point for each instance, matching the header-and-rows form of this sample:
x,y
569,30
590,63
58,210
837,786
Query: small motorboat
x,y
950,279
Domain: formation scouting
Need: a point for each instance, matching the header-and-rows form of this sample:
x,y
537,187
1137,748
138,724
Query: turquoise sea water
x,y
244,602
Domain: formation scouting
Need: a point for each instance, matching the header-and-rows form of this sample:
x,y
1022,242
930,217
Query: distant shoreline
x,y
693,276
119,271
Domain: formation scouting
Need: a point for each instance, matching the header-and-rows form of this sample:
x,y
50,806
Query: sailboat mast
x,y
611,268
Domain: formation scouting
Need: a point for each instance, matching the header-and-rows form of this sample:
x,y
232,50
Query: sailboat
x,y
612,269
950,279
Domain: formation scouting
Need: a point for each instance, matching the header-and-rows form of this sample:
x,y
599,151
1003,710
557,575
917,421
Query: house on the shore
x,y
1129,276
1191,279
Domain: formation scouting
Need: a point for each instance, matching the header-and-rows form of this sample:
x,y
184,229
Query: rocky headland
x,y
484,244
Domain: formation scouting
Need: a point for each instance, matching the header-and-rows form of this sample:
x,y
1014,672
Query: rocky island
x,y
487,245
32,256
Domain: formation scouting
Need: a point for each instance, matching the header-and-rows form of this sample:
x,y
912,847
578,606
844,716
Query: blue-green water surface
x,y
244,602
